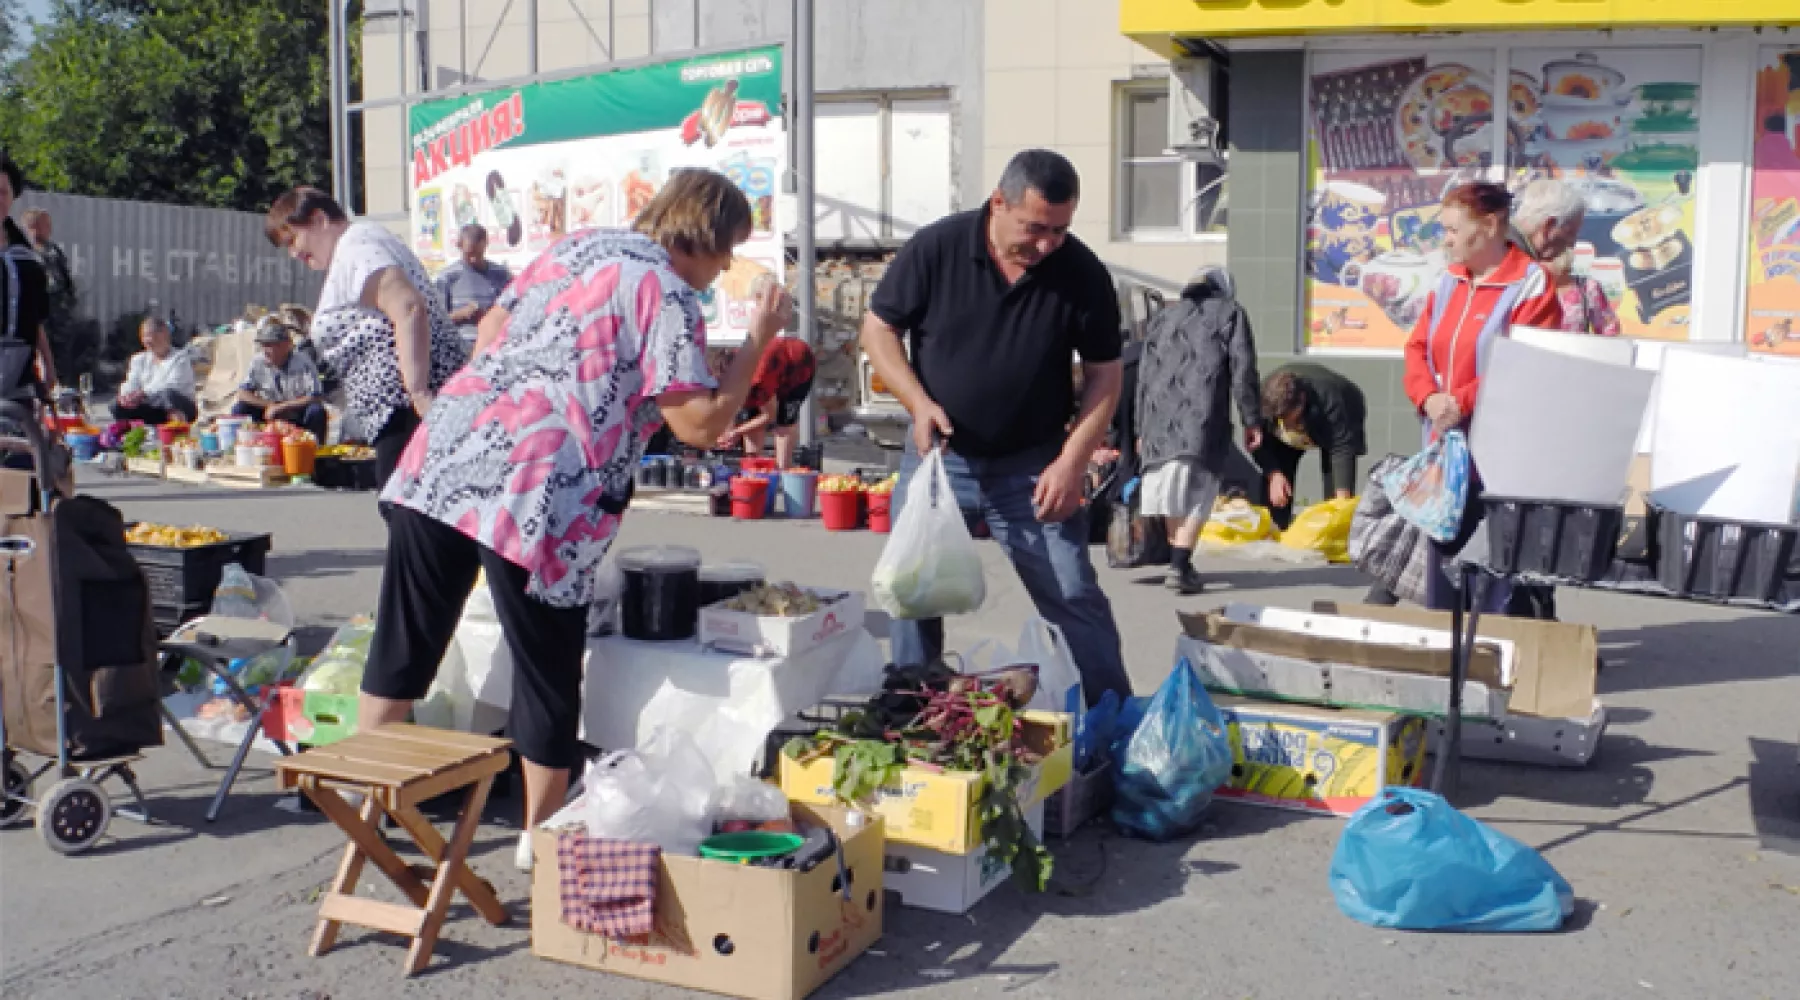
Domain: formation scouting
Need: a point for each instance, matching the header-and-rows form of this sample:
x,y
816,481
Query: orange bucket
x,y
297,457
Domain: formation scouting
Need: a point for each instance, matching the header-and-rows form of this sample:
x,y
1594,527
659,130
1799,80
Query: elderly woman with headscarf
x,y
522,470
379,327
1198,359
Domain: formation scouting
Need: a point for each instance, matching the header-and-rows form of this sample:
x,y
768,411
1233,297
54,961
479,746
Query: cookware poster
x,y
1389,135
1621,125
1773,323
533,163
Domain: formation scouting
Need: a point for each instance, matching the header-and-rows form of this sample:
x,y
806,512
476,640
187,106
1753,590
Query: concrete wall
x,y
861,45
1053,71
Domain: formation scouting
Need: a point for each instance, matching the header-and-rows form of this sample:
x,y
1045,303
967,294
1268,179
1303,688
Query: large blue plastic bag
x,y
1173,762
1409,860
1431,488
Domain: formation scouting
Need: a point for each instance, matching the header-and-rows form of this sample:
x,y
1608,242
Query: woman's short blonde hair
x,y
699,212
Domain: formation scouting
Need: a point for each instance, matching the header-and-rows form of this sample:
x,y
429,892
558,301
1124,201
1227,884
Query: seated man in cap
x,y
283,384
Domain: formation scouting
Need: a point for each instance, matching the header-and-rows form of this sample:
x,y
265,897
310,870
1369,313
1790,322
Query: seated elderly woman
x,y
159,382
283,384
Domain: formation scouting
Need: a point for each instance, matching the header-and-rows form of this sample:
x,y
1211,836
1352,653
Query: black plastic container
x,y
661,601
1564,540
1708,558
183,577
724,581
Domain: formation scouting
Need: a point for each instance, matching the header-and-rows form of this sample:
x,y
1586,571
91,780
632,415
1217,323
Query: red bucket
x,y
749,498
881,513
841,510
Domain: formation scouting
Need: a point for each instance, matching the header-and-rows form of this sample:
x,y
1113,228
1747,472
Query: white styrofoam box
x,y
1250,672
767,636
948,883
1415,694
1362,630
1525,739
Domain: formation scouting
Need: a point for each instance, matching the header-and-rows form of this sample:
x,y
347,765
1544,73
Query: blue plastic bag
x,y
1178,755
1431,488
1409,860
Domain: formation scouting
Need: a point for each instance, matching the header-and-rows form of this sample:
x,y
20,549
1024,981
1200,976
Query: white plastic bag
x,y
930,567
1042,645
742,797
243,595
662,793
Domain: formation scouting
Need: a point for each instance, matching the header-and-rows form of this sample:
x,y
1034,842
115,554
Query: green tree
x,y
192,102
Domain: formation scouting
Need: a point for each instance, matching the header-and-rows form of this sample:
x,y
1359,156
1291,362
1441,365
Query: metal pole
x,y
807,265
531,36
340,143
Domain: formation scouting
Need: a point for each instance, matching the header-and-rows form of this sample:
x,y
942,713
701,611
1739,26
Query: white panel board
x,y
1549,426
847,152
921,179
1727,441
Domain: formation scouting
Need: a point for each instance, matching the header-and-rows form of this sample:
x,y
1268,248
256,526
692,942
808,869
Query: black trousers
x,y
430,571
157,409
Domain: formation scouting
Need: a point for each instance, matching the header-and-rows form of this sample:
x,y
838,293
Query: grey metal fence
x,y
197,267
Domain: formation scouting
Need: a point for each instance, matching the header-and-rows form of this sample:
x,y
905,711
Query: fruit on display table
x,y
168,537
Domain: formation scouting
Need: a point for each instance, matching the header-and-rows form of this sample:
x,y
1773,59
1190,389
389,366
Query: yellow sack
x,y
1237,522
1323,528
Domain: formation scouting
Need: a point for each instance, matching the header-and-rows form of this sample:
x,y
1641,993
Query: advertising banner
x,y
1773,321
531,164
1391,134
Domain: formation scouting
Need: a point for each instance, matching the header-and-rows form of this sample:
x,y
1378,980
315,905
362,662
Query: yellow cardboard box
x,y
1317,759
939,810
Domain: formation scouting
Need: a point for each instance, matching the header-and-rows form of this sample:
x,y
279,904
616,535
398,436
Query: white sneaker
x,y
522,853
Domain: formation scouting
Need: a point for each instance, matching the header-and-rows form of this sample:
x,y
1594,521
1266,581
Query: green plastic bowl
x,y
749,846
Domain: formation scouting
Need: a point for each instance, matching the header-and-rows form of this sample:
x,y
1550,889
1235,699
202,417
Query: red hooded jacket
x,y
1455,345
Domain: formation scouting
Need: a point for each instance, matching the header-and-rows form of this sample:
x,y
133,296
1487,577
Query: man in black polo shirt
x,y
999,302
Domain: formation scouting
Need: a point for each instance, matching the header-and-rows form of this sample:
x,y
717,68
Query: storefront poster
x,y
533,163
1621,125
1392,133
1773,302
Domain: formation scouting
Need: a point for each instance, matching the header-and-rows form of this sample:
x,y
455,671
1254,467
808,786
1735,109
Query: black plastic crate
x,y
334,473
1568,541
179,577
1723,560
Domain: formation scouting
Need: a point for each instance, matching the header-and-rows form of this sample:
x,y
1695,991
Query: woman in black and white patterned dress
x,y
378,329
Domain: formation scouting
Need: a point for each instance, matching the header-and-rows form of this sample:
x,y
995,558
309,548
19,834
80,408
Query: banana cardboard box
x,y
1316,759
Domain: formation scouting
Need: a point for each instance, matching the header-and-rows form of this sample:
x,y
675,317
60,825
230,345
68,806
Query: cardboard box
x,y
1087,796
767,636
1527,739
1326,659
940,810
948,883
1553,662
1314,759
758,933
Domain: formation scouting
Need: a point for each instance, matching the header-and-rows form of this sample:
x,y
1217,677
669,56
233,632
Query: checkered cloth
x,y
608,886
1387,546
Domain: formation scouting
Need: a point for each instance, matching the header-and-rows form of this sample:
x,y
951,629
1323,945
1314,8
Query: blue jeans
x,y
1051,559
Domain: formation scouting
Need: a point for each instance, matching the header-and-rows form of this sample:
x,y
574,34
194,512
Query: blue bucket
x,y
84,447
799,493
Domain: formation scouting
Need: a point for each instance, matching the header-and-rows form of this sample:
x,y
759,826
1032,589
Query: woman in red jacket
x,y
1490,286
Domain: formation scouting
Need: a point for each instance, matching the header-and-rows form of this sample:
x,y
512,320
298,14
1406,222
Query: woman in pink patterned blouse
x,y
1586,308
523,466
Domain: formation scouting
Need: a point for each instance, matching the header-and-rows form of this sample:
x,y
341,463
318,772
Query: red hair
x,y
1481,200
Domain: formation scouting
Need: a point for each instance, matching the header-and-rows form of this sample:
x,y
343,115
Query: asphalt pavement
x,y
1680,839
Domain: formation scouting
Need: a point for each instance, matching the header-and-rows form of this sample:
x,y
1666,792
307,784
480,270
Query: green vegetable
x,y
133,442
945,581
947,722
